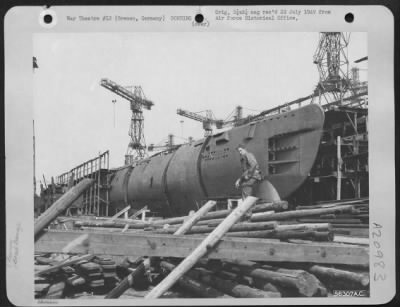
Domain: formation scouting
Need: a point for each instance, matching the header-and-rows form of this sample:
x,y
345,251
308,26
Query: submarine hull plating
x,y
285,146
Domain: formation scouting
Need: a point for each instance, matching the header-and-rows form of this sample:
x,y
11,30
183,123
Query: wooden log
x,y
265,285
232,288
130,280
303,282
188,224
330,203
274,206
253,234
235,228
56,290
360,216
331,221
41,289
62,204
210,223
355,226
308,226
157,245
76,281
63,264
299,213
111,224
322,272
195,286
205,246
328,216
217,269
285,235
305,235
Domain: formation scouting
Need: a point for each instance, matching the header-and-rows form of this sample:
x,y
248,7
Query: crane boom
x,y
194,116
125,93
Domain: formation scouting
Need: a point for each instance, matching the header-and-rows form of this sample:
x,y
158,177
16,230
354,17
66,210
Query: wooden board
x,y
145,244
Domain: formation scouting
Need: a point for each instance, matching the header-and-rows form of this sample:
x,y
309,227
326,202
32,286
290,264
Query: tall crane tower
x,y
137,146
333,66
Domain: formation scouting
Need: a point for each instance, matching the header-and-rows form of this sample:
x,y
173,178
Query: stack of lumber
x,y
319,222
354,223
274,252
58,279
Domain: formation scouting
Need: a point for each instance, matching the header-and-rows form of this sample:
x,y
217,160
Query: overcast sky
x,y
74,115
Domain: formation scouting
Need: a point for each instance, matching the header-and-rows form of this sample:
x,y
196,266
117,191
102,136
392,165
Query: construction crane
x,y
333,66
209,121
137,146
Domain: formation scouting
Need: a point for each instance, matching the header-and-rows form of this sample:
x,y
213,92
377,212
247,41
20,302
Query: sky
x,y
75,118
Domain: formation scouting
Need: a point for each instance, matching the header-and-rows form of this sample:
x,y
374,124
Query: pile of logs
x,y
320,222
354,223
207,279
57,279
247,279
197,276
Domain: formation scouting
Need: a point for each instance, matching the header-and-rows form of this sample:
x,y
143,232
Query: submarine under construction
x,y
312,149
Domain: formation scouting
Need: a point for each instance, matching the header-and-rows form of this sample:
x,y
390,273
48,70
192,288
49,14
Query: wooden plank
x,y
147,244
119,213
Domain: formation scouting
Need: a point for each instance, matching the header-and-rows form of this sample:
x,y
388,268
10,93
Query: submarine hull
x,y
173,183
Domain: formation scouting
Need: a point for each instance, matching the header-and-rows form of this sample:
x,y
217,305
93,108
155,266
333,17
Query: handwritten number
x,y
378,277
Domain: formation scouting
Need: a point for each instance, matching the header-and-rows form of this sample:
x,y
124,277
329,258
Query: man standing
x,y
251,172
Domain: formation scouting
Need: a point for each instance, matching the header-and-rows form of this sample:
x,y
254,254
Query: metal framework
x,y
333,66
341,169
209,120
95,200
137,145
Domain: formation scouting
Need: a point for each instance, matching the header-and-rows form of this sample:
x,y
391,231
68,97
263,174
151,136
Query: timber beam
x,y
161,245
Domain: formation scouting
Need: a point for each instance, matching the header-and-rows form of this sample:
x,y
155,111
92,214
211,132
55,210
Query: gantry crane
x,y
209,121
137,146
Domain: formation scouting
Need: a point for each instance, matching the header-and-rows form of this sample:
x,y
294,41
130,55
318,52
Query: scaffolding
x,y
95,201
340,170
